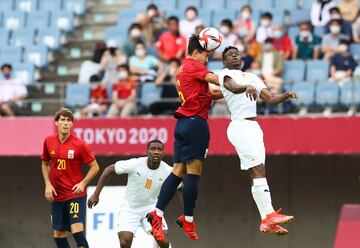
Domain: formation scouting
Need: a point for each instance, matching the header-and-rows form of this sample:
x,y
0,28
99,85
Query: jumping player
x,y
191,137
62,160
240,90
145,177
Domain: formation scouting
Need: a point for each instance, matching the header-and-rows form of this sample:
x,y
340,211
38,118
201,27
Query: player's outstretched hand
x,y
251,92
79,188
50,192
291,94
93,201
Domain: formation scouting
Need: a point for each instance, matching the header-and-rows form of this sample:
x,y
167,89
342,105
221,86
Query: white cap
x,y
112,43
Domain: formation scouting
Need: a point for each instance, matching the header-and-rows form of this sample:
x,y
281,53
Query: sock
x,y
189,218
167,192
80,240
62,243
190,192
261,194
159,212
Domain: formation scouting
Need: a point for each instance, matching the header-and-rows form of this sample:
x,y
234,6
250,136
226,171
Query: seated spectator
x,y
349,9
254,48
199,28
244,27
123,95
271,63
320,14
229,38
307,44
134,36
171,44
12,91
356,29
264,31
191,21
143,65
246,59
282,42
342,64
345,25
153,24
111,58
330,42
98,99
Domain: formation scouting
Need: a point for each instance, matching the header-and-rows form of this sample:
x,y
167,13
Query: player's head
x,y
231,58
196,51
64,120
155,151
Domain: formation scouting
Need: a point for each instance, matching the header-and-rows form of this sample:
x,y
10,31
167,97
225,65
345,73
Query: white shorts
x,y
247,138
129,222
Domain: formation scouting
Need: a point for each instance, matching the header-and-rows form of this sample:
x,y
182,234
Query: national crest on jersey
x,y
71,154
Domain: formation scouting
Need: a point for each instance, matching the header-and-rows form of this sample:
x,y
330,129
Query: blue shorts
x,y
192,137
66,213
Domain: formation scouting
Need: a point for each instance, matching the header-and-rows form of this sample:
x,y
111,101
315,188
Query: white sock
x,y
189,218
261,194
159,212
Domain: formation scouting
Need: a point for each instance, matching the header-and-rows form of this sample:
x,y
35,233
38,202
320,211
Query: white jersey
x,y
240,106
144,184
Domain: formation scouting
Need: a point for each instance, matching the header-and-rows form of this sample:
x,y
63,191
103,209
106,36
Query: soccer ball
x,y
210,38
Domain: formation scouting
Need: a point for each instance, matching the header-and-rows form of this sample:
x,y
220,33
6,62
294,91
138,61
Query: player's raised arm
x,y
235,88
268,97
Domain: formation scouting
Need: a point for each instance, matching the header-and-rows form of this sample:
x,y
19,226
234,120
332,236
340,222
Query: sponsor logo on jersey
x,y
75,216
71,154
52,152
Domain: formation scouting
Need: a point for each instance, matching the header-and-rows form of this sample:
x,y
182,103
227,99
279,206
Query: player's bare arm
x,y
80,187
235,88
104,178
268,97
212,78
216,94
49,189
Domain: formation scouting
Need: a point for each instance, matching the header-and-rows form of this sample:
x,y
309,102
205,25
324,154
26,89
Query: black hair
x,y
140,42
343,41
227,22
154,141
227,49
124,66
334,9
267,14
6,66
133,26
173,18
337,21
174,60
94,78
269,40
246,6
194,44
152,6
191,8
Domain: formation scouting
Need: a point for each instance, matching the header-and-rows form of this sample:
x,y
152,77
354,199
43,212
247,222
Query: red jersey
x,y
100,93
66,164
170,44
193,90
124,89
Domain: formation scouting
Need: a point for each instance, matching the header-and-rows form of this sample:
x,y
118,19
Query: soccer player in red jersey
x,y
62,160
191,137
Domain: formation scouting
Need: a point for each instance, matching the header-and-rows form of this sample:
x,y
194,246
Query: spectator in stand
x,y
98,99
199,28
123,95
264,31
356,29
307,44
246,59
153,24
144,66
330,42
282,42
345,25
171,44
342,64
349,9
244,27
191,21
134,36
320,14
229,38
12,91
111,58
271,62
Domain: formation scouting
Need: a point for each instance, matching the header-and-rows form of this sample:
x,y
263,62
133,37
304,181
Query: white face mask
x,y
245,15
265,22
305,34
135,33
190,15
122,75
335,29
224,30
278,34
140,52
343,48
240,47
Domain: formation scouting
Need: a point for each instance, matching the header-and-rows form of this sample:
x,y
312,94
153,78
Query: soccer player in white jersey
x,y
240,90
145,177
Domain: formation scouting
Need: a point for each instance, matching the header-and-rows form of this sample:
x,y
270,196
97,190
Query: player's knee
x,y
257,171
124,243
60,234
80,240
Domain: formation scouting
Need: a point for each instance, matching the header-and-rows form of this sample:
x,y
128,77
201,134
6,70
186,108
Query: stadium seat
x,y
50,5
50,37
116,33
317,70
305,3
4,37
6,5
22,37
278,15
235,4
164,4
305,92
205,16
263,5
221,14
285,4
319,31
293,31
150,93
38,55
215,65
79,7
25,71
38,19
183,4
126,17
350,94
14,20
327,94
63,20
299,15
209,5
140,5
26,5
11,54
294,71
355,50
77,95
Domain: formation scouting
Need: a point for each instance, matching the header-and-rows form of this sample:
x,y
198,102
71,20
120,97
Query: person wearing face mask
x,y
342,64
282,42
153,24
345,25
264,31
191,21
12,91
349,9
307,44
244,27
356,29
134,36
320,12
330,42
246,59
123,94
229,38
